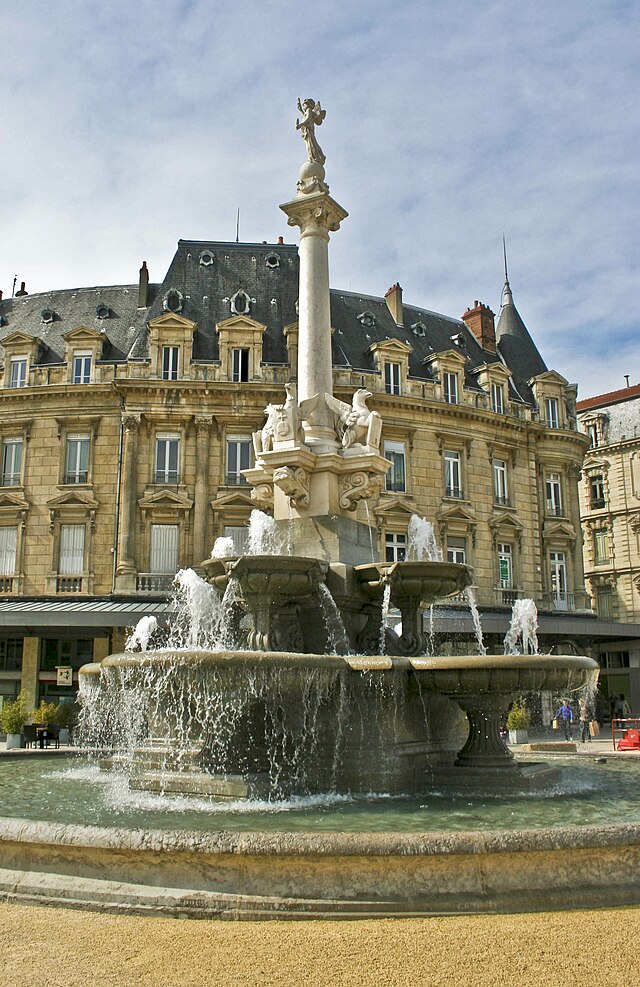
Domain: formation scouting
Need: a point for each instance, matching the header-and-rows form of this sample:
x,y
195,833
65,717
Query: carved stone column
x,y
201,546
126,568
316,214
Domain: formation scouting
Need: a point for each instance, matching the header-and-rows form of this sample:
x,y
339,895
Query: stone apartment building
x,y
610,512
126,420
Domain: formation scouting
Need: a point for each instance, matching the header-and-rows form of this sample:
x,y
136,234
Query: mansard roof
x,y
206,283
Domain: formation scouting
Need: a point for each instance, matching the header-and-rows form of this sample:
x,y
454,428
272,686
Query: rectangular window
x,y
551,412
497,399
558,568
395,547
10,654
596,492
167,458
18,371
164,549
457,550
592,432
500,490
8,543
505,566
240,365
450,388
452,474
170,357
603,604
392,378
238,535
396,478
82,368
238,458
76,468
11,462
601,547
553,494
71,561
56,651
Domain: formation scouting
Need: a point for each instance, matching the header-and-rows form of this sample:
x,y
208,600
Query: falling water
x,y
386,601
223,548
366,507
475,616
138,640
521,638
421,541
337,640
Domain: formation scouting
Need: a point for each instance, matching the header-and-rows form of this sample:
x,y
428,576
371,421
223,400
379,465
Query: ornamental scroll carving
x,y
294,482
359,485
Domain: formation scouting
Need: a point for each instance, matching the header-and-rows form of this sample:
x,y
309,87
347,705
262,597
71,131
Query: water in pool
x,y
70,790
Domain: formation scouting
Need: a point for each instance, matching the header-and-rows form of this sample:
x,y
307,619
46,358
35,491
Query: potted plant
x,y
518,722
13,717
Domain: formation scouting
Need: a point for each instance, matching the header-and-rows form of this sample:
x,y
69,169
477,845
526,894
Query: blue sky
x,y
128,126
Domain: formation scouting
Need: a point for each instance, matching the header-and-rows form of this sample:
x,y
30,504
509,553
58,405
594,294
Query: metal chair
x,y
29,737
52,736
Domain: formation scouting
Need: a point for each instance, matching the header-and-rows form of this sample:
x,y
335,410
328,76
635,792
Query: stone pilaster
x,y
29,682
200,543
126,568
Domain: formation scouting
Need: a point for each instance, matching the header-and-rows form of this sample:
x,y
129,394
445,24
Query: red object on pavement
x,y
630,741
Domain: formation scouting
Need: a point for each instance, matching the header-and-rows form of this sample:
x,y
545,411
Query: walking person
x,y
585,719
565,717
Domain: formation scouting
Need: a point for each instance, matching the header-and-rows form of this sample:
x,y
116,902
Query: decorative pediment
x,y
595,465
448,359
240,323
165,499
12,502
505,519
20,340
83,334
549,377
171,320
457,512
73,499
391,349
394,509
236,499
558,530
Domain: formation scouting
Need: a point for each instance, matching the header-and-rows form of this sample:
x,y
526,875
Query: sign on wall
x,y
64,675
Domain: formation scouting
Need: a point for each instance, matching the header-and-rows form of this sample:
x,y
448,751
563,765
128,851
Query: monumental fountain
x,y
290,683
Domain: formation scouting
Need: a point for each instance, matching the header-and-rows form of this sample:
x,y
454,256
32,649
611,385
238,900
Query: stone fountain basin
x,y
478,675
426,581
171,658
269,576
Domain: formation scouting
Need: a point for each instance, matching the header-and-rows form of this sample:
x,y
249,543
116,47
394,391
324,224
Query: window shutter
x,y
164,548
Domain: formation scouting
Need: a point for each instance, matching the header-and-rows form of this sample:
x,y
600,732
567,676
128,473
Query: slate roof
x,y
268,273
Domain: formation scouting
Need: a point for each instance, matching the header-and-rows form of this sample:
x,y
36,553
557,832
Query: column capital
x,y
203,423
131,421
316,214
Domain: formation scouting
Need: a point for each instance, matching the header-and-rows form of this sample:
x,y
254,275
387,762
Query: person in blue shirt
x,y
564,716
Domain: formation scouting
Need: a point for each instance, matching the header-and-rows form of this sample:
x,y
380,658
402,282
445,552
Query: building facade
x,y
127,415
610,512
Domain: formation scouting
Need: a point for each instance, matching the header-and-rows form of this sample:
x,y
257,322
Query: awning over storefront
x,y
40,614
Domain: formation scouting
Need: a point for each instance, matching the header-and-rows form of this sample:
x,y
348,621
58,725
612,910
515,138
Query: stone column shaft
x,y
126,531
200,546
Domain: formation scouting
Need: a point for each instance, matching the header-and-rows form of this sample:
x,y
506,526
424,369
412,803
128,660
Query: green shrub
x,y
519,717
15,714
46,714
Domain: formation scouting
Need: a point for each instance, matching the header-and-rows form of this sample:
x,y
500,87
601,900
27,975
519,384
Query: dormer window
x,y
366,320
551,412
419,329
272,260
47,315
206,258
82,368
103,311
18,371
173,301
497,399
240,365
450,387
240,303
392,378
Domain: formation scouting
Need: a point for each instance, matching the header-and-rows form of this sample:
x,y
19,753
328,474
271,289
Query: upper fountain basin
x,y
271,576
505,674
426,581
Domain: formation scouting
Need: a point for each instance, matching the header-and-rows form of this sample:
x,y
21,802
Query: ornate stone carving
x,y
357,427
131,421
294,482
262,496
359,485
281,427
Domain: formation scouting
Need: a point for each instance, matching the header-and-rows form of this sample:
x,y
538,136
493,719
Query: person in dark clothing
x,y
564,716
585,719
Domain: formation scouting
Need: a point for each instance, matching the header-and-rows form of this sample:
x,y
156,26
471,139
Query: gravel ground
x,y
66,948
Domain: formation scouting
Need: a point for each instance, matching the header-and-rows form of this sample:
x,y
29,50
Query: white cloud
x,y
129,126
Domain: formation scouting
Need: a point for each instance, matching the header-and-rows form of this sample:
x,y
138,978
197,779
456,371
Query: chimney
x,y
143,286
0,294
393,298
23,290
280,240
480,320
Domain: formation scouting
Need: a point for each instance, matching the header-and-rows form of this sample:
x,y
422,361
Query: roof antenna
x,y
238,226
13,290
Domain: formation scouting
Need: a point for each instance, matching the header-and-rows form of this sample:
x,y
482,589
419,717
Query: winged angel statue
x,y
312,117
355,423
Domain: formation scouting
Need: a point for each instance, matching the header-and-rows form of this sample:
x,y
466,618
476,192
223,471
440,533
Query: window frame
x,y
76,475
500,481
12,441
239,442
451,489
14,363
395,546
392,378
82,377
165,475
395,451
552,412
170,360
450,389
553,505
240,364
456,553
497,398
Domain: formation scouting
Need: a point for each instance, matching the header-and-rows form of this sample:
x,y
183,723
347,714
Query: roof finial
x,y
507,297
